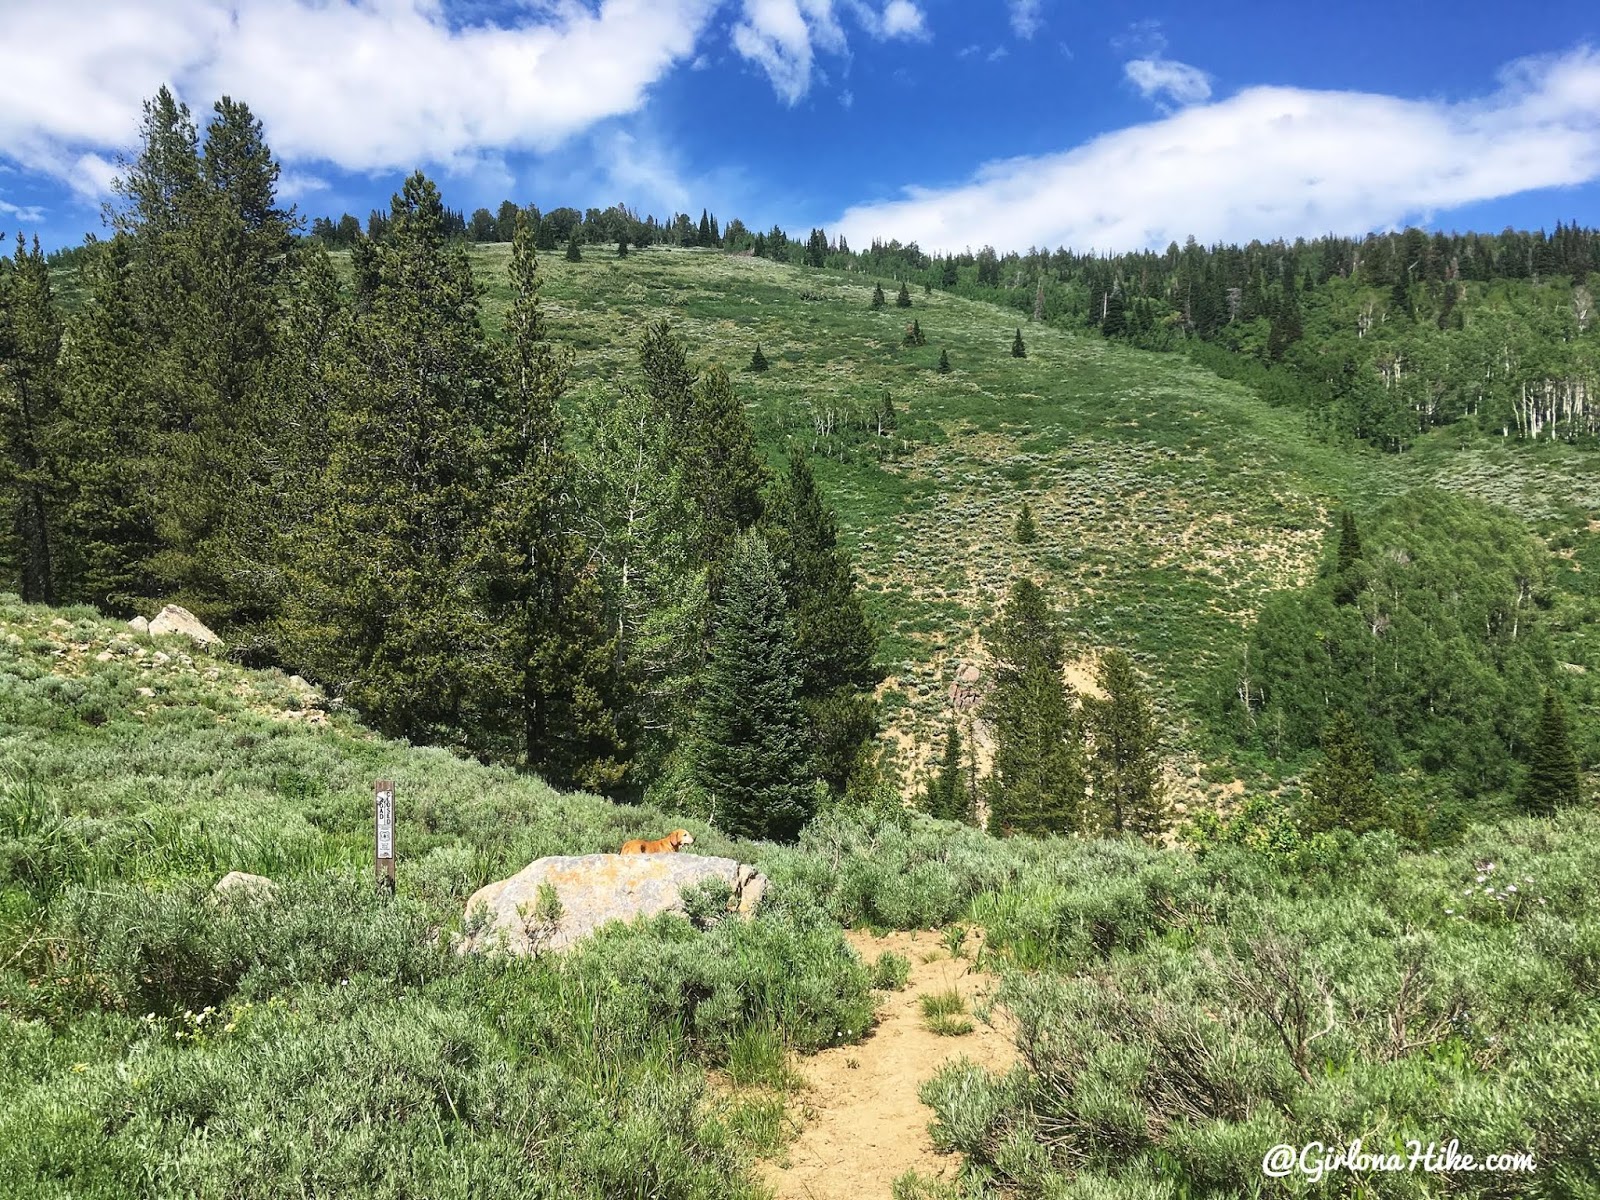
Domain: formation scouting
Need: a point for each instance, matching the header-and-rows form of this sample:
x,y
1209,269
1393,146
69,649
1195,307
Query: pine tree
x,y
381,609
1552,781
556,685
30,401
622,247
877,297
1018,350
723,471
946,794
758,360
944,362
668,382
750,748
1114,317
1037,785
886,415
1126,767
206,244
915,336
947,274
1349,578
1025,534
574,251
903,300
107,442
835,642
636,519
1342,790
817,248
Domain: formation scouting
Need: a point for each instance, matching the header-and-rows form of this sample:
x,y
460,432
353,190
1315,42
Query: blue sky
x,y
951,122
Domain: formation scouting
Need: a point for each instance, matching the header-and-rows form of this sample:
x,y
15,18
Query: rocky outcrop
x,y
965,694
176,619
593,890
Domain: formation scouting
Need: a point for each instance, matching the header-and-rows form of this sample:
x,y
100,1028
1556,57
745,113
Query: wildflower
x,y
1449,912
1511,887
1481,878
230,1027
80,1068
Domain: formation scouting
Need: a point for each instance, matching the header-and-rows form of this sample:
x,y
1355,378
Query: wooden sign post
x,y
383,821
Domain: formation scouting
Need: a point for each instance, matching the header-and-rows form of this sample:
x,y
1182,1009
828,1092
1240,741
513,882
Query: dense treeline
x,y
1419,663
1378,338
360,484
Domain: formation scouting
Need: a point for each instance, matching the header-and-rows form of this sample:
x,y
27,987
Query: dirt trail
x,y
863,1123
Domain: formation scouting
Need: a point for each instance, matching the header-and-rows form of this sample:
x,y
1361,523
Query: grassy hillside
x,y
157,1041
1169,502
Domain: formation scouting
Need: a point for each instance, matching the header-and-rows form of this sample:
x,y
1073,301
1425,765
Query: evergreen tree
x,y
1126,767
505,222
1552,779
107,442
380,610
637,521
915,336
1018,350
903,300
877,297
574,250
1025,534
1348,579
946,795
1400,298
947,274
758,360
944,362
750,749
835,643
1114,317
817,249
1342,790
30,400
205,246
622,247
722,469
668,382
557,684
1038,784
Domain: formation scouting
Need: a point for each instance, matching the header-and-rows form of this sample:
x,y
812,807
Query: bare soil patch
x,y
863,1124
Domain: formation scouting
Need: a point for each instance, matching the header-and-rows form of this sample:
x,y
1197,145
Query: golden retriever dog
x,y
666,845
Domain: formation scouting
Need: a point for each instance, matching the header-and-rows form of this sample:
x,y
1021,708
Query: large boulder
x,y
242,883
176,619
594,889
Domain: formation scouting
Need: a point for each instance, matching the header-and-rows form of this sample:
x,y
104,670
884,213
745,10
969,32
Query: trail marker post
x,y
383,834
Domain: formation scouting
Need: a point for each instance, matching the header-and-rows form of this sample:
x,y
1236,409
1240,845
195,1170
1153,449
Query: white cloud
x,y
1025,18
902,19
365,84
782,37
28,214
1270,161
1162,78
294,184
